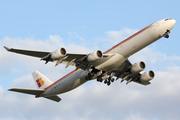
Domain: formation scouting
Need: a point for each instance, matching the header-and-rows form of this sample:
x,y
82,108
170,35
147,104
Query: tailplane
x,y
40,80
41,83
36,92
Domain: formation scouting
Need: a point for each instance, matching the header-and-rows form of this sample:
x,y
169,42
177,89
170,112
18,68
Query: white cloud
x,y
111,38
93,100
135,117
1,91
14,63
99,101
154,59
117,36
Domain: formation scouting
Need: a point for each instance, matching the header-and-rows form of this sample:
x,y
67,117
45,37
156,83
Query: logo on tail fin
x,y
40,82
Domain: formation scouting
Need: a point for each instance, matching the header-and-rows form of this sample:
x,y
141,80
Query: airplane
x,y
103,66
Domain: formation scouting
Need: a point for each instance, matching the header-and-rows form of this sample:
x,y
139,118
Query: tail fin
x,y
40,80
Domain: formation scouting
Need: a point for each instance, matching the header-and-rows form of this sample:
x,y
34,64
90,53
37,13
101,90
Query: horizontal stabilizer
x,y
28,91
54,98
35,92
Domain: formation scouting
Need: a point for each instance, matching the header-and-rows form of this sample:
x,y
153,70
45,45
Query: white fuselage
x,y
120,53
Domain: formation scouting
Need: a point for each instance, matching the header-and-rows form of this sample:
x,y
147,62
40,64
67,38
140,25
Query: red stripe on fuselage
x,y
127,39
62,78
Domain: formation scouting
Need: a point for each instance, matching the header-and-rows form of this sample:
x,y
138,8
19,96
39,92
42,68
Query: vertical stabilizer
x,y
40,80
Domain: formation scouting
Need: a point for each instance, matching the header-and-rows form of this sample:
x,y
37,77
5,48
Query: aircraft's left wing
x,y
123,72
70,58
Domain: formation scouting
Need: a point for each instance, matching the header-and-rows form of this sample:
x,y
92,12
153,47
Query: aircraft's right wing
x,y
70,59
123,72
38,54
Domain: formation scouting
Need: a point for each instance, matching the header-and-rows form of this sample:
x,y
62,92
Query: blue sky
x,y
85,26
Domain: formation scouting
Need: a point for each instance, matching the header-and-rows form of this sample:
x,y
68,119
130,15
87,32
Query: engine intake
x,y
138,67
94,56
147,76
59,53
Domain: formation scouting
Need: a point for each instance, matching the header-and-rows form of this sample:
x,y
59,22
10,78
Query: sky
x,y
83,27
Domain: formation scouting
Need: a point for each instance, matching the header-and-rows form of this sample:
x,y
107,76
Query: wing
x,y
70,59
123,72
38,54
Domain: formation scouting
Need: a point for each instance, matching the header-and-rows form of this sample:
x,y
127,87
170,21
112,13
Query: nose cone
x,y
173,22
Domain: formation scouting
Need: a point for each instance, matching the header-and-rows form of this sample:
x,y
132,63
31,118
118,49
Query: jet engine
x,y
138,67
59,53
147,76
94,56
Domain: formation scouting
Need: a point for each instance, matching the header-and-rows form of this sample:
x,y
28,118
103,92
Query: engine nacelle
x,y
94,56
138,67
59,53
147,76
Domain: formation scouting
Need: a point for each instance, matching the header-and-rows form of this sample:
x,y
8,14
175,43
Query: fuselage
x,y
120,53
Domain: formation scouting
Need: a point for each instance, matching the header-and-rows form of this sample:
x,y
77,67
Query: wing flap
x,y
28,91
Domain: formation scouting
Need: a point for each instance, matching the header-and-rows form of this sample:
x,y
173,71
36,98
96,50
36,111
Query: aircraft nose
x,y
172,22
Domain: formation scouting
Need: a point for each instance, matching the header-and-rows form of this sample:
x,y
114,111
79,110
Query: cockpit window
x,y
167,19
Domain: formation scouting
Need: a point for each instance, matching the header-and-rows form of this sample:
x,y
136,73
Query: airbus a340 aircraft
x,y
103,66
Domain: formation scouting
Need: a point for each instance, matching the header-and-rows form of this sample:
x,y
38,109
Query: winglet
x,y
7,48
